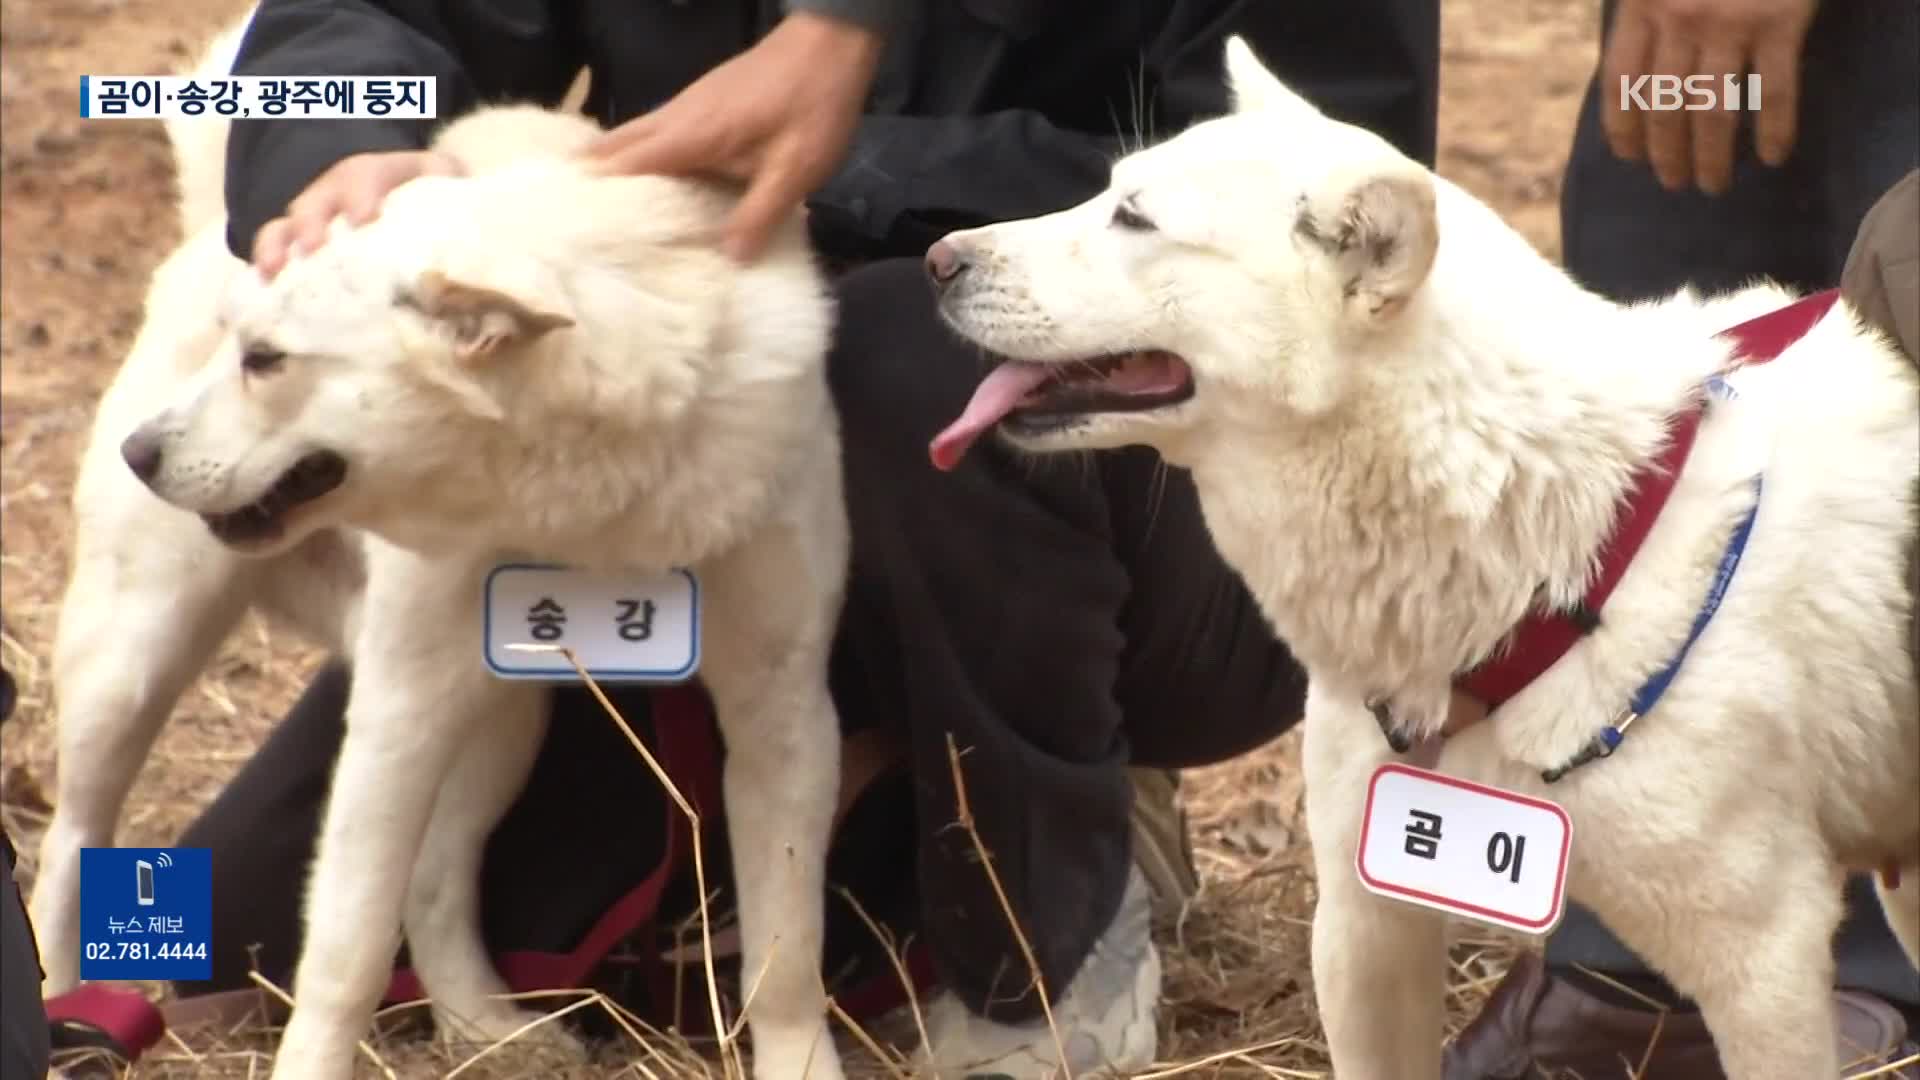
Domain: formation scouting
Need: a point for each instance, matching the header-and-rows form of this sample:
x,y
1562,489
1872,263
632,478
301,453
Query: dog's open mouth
x,y
265,518
1037,397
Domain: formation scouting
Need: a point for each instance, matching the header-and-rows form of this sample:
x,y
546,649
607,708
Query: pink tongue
x,y
993,399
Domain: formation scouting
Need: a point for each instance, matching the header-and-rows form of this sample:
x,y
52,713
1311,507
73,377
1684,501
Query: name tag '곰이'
x,y
1466,849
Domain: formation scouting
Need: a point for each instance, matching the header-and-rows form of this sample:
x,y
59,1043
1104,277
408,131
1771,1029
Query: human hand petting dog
x,y
354,187
1706,37
778,117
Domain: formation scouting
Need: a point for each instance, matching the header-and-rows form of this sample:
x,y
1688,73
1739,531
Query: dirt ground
x,y
83,219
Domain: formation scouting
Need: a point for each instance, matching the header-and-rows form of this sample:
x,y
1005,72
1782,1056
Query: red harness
x,y
1544,637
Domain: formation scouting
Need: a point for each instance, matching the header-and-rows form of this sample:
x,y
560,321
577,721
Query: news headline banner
x,y
240,97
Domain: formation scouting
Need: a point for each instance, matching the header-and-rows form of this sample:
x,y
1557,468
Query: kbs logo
x,y
1693,93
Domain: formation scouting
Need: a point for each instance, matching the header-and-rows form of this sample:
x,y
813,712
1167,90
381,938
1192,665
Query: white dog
x,y
525,363
1410,433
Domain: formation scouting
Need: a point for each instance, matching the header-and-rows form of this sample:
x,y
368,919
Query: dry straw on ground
x,y
1236,1002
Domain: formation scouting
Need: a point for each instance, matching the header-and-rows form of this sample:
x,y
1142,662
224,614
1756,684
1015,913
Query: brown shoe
x,y
1162,847
1538,1025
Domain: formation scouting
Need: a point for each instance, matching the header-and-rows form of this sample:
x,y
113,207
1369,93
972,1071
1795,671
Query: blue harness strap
x,y
1755,342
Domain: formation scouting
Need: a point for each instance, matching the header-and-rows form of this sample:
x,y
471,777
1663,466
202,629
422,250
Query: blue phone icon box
x,y
146,913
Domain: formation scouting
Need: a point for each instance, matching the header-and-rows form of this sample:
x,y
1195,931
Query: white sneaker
x,y
1105,1019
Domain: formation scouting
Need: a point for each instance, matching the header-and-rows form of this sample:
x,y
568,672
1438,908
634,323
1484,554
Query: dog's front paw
x,y
1411,717
296,1067
503,1022
305,1053
1554,741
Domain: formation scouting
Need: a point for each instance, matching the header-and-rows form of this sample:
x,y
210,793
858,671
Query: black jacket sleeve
x,y
910,179
477,50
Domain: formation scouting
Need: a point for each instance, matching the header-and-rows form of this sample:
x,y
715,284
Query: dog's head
x,y
342,390
1222,277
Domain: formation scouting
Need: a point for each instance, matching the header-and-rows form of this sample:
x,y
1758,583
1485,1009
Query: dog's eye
x,y
1125,216
260,359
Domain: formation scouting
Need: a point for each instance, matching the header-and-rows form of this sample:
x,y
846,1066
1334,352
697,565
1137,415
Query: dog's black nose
x,y
142,454
945,263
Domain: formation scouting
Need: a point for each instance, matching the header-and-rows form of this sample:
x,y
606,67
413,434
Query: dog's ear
x,y
1380,232
1254,87
483,320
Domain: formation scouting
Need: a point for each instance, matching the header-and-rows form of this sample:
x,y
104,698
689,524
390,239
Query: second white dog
x,y
1409,433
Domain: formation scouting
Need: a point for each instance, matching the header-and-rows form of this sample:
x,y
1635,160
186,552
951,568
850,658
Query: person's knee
x,y
1882,276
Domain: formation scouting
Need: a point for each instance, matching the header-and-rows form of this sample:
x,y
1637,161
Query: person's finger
x,y
618,138
439,163
777,188
675,149
1776,59
1628,53
322,194
309,225
310,211
270,247
361,202
1669,146
1716,130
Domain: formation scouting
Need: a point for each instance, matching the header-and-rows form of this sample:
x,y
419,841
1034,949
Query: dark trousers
x,y
1058,618
1628,238
24,1038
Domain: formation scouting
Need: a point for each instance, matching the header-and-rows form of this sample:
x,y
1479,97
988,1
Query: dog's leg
x,y
418,684
1902,905
781,775
443,900
1751,941
1379,967
765,662
141,615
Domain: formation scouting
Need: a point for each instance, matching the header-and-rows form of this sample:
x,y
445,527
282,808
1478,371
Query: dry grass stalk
x,y
286,999
964,818
728,1050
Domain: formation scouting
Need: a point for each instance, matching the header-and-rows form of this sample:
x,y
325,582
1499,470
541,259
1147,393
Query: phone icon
x,y
143,886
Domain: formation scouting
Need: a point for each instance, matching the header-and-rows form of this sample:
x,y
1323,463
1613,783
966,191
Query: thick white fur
x,y
672,412
1405,421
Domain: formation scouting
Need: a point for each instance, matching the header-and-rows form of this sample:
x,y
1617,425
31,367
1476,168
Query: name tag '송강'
x,y
1466,849
622,628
